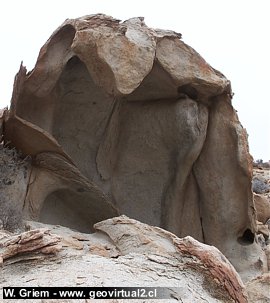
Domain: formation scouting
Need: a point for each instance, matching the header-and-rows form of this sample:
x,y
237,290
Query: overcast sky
x,y
232,35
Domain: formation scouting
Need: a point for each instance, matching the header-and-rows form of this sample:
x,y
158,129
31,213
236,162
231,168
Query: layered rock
x,y
123,119
39,240
122,252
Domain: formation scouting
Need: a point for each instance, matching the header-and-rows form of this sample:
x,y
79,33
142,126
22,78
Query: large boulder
x,y
262,205
120,118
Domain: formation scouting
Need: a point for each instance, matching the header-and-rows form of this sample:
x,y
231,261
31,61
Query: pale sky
x,y
232,35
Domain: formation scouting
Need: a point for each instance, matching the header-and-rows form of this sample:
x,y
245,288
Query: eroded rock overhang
x,y
122,118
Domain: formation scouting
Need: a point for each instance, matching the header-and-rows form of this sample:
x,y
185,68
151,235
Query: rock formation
x,y
258,289
119,118
262,208
122,252
28,242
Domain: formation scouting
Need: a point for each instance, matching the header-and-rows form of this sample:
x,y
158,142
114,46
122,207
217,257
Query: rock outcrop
x,y
122,252
258,289
262,206
1,122
38,240
120,118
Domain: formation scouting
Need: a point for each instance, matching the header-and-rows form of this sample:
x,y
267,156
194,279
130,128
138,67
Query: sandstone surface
x,y
258,289
119,118
262,205
123,252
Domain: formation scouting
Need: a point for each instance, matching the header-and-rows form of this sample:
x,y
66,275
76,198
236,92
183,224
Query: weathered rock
x,y
263,229
231,197
130,45
259,186
262,206
2,111
259,289
120,118
14,178
267,252
38,240
261,180
137,255
54,181
184,63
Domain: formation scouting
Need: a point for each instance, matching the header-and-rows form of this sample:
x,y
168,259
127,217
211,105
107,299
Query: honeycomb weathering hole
x,y
247,238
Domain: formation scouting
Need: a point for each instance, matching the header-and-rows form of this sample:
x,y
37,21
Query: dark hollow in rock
x,y
123,119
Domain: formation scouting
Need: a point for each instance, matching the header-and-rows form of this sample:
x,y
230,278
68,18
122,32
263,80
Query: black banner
x,y
86,293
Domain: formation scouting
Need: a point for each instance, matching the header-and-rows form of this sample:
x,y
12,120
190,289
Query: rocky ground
x,y
261,190
131,253
263,175
122,252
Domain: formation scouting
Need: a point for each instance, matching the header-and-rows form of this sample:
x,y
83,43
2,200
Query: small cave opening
x,y
69,209
247,238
